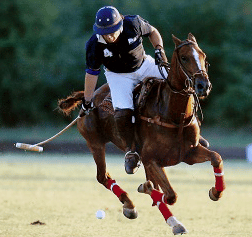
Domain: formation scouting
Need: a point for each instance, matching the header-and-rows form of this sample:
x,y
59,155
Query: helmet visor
x,y
105,30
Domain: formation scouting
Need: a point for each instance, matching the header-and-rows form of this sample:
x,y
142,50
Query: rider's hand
x,y
160,56
86,107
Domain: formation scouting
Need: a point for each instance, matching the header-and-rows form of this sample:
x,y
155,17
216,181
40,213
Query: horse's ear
x,y
191,37
176,41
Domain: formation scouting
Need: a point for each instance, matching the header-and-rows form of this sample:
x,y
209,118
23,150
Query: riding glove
x,y
86,106
160,57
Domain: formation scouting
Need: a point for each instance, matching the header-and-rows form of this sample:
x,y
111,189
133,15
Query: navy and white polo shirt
x,y
124,56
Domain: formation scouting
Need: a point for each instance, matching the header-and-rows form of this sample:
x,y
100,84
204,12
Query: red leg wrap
x,y
109,183
164,210
157,196
219,179
114,187
219,183
118,191
217,170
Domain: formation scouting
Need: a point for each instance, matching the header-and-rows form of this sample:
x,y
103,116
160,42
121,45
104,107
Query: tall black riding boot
x,y
125,127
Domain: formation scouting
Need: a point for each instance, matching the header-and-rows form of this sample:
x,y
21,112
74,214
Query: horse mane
x,y
71,102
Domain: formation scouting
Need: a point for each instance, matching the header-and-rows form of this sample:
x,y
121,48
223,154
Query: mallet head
x,y
29,147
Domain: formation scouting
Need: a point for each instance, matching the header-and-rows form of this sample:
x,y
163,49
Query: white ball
x,y
100,214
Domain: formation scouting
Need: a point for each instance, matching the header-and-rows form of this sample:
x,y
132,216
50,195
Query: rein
x,y
189,83
187,91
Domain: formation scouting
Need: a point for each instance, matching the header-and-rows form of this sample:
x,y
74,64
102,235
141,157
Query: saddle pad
x,y
106,105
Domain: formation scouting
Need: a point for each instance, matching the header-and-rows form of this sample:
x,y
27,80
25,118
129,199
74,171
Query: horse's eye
x,y
184,59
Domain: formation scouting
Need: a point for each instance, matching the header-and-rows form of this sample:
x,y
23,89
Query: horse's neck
x,y
176,75
179,104
180,107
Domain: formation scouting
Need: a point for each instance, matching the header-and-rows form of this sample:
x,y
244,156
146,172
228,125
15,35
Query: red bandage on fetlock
x,y
219,179
114,187
158,196
217,170
164,210
109,183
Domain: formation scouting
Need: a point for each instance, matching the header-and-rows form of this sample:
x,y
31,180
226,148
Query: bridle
x,y
187,92
190,78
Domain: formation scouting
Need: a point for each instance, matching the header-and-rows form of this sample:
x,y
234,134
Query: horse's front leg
x,y
150,178
160,177
157,173
201,154
159,200
105,179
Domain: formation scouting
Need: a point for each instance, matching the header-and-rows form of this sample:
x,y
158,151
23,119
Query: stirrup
x,y
132,162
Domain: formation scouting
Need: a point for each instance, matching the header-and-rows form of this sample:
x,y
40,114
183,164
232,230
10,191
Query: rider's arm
x,y
93,64
90,84
155,38
157,42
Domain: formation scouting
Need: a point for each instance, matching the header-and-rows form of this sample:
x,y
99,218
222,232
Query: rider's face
x,y
111,38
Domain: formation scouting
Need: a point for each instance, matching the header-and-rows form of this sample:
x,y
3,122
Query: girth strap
x,y
156,120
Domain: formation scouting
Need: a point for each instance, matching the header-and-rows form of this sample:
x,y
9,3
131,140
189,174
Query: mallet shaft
x,y
59,133
37,147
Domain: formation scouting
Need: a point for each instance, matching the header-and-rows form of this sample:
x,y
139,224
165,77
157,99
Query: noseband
x,y
190,79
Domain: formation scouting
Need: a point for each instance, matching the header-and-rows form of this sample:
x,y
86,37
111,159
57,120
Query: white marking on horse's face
x,y
197,59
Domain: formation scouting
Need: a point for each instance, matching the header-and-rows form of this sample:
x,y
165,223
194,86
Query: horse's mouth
x,y
203,89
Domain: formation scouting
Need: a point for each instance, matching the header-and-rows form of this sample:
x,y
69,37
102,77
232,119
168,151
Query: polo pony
x,y
167,129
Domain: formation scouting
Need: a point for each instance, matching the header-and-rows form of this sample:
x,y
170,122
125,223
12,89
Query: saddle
x,y
140,94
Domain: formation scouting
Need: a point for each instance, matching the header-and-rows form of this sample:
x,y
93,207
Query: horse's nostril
x,y
200,86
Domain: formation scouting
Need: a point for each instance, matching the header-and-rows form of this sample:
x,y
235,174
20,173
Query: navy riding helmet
x,y
108,20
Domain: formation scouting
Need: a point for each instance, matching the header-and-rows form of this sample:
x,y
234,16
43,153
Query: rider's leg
x,y
125,127
121,88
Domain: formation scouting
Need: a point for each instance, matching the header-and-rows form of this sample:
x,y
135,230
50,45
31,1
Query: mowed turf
x,y
61,191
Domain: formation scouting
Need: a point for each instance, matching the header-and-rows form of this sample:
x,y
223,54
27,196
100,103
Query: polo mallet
x,y
37,147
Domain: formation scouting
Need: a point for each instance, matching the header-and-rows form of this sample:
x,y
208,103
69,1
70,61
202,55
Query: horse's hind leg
x,y
159,200
105,179
202,154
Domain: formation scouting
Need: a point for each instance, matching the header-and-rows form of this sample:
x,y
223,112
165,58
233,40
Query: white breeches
x,y
122,84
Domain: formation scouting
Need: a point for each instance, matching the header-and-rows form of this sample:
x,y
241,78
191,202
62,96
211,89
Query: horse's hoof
x,y
146,187
141,188
177,226
130,213
179,230
214,194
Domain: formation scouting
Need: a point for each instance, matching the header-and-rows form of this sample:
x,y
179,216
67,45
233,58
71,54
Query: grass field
x,y
218,137
62,192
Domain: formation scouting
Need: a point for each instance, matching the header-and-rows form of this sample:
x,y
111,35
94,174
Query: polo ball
x,y
100,214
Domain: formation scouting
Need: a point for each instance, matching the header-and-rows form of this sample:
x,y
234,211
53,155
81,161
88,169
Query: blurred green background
x,y
42,53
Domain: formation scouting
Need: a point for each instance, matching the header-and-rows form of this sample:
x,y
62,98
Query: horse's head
x,y
191,66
